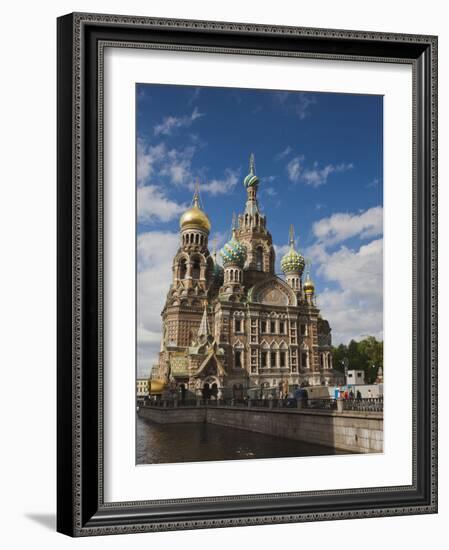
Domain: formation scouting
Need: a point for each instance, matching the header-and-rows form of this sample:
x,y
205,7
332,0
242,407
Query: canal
x,y
164,443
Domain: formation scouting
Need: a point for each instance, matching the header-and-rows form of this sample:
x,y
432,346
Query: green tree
x,y
366,355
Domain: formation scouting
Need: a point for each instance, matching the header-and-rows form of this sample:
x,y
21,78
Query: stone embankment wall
x,y
360,432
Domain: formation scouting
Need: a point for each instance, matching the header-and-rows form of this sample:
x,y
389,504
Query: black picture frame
x,y
81,509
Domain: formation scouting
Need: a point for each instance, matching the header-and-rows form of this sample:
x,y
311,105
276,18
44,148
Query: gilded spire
x,y
234,224
196,195
292,237
252,164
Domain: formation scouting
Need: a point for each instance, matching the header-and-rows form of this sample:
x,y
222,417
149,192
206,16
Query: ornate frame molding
x,y
81,42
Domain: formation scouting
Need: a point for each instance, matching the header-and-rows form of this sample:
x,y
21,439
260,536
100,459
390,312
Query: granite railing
x,y
328,404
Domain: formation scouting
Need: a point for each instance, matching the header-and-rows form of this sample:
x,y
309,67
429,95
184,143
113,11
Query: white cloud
x,y
155,252
158,160
318,176
294,168
315,176
360,270
302,105
373,183
147,158
171,123
177,165
220,186
353,302
355,309
195,95
284,153
297,103
280,250
268,179
342,226
153,205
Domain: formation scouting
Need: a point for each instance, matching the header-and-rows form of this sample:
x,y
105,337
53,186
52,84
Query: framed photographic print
x,y
247,281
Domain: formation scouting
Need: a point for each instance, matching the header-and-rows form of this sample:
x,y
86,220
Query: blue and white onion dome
x,y
233,252
293,261
251,179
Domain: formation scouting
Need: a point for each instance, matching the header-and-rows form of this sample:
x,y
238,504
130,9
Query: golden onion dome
x,y
194,217
157,386
309,287
292,261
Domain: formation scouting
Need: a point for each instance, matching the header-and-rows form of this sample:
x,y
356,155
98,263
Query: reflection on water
x,y
161,443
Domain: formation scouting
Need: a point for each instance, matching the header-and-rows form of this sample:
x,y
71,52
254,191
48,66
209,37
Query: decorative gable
x,y
273,292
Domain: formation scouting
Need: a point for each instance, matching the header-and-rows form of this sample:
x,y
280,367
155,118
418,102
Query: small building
x,y
143,387
355,377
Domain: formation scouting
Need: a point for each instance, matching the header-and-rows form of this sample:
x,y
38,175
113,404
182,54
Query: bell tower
x,y
192,276
252,230
192,264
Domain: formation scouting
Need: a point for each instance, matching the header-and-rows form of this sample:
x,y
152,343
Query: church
x,y
234,327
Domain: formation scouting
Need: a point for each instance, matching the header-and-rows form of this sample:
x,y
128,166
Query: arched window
x,y
196,266
182,269
259,258
238,358
304,360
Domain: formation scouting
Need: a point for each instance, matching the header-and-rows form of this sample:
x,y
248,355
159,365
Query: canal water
x,y
165,443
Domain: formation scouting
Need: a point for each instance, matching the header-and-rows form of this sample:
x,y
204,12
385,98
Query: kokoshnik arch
x,y
238,326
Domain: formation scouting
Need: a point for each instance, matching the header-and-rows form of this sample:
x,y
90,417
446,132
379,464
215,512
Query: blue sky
x,y
319,159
